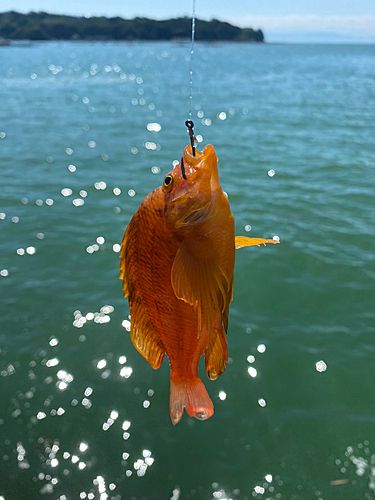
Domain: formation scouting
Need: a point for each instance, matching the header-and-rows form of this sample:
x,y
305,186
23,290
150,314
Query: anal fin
x,y
216,355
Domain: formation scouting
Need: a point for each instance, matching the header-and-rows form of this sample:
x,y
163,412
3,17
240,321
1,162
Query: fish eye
x,y
168,179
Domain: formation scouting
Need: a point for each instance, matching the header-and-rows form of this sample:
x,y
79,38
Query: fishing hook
x,y
190,126
182,168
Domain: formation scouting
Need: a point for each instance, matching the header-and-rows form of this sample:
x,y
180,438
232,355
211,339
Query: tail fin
x,y
192,395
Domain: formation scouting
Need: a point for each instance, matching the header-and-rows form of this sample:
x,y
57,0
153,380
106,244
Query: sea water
x,y
86,130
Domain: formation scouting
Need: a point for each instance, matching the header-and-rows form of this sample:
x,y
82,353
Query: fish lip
x,y
208,153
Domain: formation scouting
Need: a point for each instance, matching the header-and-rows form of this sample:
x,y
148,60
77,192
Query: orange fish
x,y
177,259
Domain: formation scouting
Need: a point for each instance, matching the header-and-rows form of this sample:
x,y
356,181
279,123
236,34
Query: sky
x,y
281,20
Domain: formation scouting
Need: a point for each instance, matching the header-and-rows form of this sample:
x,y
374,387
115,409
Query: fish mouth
x,y
205,159
208,154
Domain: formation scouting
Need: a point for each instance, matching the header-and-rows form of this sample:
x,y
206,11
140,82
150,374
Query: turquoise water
x,y
82,415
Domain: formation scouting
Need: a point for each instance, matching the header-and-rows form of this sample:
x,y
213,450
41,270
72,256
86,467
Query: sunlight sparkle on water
x,y
66,191
126,325
83,447
52,362
107,309
114,415
153,127
321,366
141,465
126,425
222,395
78,202
252,371
100,317
86,403
126,371
64,379
151,146
259,490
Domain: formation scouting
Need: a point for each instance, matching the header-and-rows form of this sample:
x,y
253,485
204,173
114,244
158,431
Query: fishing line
x,y
189,123
191,62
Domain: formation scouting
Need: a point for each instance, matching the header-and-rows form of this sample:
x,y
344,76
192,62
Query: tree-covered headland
x,y
44,26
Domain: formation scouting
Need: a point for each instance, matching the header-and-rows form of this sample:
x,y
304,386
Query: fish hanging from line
x,y
176,267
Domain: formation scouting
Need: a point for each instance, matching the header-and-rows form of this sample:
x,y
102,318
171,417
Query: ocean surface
x,y
86,131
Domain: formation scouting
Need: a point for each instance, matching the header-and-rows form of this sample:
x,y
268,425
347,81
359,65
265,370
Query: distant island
x,y
44,26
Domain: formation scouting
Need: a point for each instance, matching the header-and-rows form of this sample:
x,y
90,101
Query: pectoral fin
x,y
244,241
202,284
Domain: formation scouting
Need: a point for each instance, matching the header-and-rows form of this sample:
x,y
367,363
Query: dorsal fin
x,y
122,276
143,336
142,332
